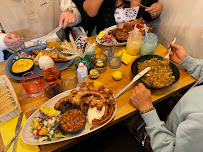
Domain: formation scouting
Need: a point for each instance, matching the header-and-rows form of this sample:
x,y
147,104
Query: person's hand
x,y
13,42
177,54
67,17
155,9
141,98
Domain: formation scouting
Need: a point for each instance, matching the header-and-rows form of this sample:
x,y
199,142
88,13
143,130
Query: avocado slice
x,y
49,111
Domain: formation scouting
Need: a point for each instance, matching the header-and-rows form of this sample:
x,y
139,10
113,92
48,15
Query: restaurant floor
x,y
114,139
121,137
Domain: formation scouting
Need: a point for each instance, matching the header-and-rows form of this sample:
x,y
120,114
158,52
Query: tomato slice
x,y
38,132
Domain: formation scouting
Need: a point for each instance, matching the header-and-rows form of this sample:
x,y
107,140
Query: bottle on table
x,y
82,73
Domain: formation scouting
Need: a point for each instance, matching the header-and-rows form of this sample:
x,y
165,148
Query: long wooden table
x,y
124,107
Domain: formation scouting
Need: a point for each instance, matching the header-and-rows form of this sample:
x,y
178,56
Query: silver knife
x,y
139,4
20,118
5,149
134,79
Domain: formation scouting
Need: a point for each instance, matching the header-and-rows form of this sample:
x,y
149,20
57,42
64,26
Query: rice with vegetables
x,y
160,74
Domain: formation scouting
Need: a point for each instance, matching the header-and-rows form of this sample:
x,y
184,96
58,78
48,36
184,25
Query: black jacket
x,y
105,17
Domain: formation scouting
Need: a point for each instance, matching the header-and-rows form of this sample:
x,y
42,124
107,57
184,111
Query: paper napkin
x,y
7,130
126,58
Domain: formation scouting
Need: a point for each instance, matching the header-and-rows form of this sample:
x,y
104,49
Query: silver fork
x,y
6,148
173,41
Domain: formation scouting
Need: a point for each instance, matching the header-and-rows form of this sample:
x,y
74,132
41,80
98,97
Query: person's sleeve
x,y
2,44
162,140
68,4
186,139
193,66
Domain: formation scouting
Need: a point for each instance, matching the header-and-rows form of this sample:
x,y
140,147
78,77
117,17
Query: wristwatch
x,y
70,9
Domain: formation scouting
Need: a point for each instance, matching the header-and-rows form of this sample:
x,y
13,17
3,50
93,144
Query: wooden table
x,y
124,107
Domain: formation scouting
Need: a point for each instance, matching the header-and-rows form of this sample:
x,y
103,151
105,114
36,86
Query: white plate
x,y
28,138
108,29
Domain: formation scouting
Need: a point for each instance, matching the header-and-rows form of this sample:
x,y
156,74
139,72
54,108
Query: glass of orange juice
x,y
134,42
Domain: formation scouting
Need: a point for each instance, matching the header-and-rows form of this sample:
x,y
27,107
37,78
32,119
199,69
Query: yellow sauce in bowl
x,y
22,65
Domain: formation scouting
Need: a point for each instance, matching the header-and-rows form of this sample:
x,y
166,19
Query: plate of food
x,y
71,114
163,72
28,57
118,34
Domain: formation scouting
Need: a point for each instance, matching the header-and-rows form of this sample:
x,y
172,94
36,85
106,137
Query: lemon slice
x,y
117,75
101,34
49,111
53,44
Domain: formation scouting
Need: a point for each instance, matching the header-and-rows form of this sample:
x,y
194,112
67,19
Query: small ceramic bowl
x,y
22,66
72,121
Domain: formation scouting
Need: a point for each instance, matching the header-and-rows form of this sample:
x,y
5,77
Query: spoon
x,y
173,41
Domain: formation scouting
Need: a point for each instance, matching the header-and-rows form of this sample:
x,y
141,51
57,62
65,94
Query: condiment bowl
x,y
22,66
72,121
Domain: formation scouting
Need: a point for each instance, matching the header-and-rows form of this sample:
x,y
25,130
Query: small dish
x,y
72,121
22,66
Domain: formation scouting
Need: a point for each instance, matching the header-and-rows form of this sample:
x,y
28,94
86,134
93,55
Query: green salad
x,y
45,127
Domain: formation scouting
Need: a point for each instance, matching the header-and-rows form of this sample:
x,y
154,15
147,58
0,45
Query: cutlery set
x,y
17,131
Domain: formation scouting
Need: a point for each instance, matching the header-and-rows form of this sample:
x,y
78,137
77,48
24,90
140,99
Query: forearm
x,y
92,7
193,66
161,138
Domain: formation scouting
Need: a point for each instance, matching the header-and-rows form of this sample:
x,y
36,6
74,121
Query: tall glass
x,y
149,44
134,43
52,81
32,83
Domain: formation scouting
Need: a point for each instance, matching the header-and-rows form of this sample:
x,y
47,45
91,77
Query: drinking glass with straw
x,y
145,30
149,43
134,42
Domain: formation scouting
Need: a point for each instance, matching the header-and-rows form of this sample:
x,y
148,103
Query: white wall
x,y
184,20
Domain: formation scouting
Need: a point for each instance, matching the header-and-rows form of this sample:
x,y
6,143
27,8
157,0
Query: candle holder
x,y
99,61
